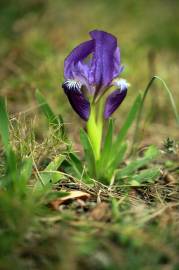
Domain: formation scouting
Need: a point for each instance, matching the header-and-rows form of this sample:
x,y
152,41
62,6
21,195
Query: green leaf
x,y
88,153
106,150
148,175
78,169
52,118
76,164
127,124
26,170
12,170
151,153
170,96
118,158
4,124
48,112
50,174
16,176
62,126
24,175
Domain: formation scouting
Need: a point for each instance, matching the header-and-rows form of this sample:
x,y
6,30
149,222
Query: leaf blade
x,y
106,150
4,124
88,152
127,124
117,159
148,175
151,153
76,164
50,173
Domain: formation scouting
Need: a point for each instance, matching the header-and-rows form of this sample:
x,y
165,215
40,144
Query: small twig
x,y
39,176
98,197
160,211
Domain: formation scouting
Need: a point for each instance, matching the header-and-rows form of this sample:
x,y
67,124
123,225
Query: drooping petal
x,y
113,101
78,54
103,66
76,98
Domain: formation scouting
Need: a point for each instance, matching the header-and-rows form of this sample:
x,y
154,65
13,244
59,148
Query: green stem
x,y
94,129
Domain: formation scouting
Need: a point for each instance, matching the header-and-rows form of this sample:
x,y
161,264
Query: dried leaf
x,y
170,179
100,212
74,195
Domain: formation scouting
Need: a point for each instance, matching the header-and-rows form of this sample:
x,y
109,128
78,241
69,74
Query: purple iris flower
x,y
92,68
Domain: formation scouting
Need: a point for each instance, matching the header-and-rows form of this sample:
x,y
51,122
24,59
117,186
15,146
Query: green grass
x,y
131,224
123,226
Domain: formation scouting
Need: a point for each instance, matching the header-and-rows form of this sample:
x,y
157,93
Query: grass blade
x,y
48,112
76,164
148,175
4,124
127,124
169,93
151,153
26,170
50,174
117,159
88,152
25,174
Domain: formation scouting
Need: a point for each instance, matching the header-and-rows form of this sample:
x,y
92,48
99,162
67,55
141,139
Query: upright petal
x,y
82,68
103,64
113,101
77,100
80,73
117,66
77,55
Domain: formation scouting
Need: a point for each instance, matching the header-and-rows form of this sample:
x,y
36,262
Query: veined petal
x,y
103,66
117,67
76,98
77,55
113,101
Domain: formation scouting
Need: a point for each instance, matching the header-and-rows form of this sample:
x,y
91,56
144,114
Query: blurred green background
x,y
36,36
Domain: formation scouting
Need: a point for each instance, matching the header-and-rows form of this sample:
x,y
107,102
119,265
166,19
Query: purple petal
x,y
77,100
77,55
117,67
80,73
82,68
113,101
103,66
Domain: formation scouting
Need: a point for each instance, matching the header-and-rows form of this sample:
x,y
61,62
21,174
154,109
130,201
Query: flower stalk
x,y
94,129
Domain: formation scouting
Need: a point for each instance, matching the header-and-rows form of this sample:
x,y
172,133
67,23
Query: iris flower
x,y
90,70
